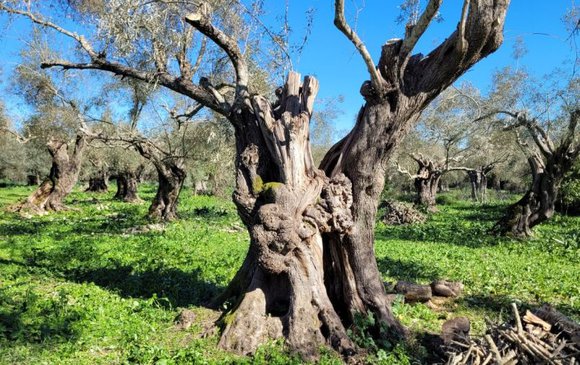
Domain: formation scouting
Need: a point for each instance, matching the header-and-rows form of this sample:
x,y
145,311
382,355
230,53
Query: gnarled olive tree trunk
x,y
61,180
536,206
171,177
426,182
427,178
99,183
478,182
287,204
426,189
282,289
548,164
127,184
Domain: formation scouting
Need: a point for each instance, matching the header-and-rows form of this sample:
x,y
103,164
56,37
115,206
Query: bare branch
x,y
417,30
462,42
38,20
179,85
201,21
98,62
19,138
342,25
571,134
406,172
199,56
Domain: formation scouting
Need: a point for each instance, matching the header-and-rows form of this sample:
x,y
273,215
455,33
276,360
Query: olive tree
x,y
549,163
58,124
543,118
444,133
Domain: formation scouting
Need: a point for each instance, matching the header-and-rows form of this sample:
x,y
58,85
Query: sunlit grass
x,y
79,287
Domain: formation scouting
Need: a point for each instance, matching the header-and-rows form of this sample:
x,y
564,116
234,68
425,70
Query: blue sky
x,y
331,58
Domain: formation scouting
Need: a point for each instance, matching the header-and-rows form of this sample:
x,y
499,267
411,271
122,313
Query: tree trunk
x,y
127,187
478,181
32,180
301,213
99,183
200,187
427,191
171,177
475,181
287,204
61,180
296,213
537,205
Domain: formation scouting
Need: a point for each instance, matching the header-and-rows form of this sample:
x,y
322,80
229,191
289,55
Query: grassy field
x,y
89,286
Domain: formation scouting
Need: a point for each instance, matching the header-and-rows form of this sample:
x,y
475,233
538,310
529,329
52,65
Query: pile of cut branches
x,y
543,337
397,213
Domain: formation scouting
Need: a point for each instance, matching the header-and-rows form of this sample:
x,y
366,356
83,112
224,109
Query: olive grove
x,y
310,265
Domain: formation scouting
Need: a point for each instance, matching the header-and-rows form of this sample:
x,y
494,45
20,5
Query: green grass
x,y
77,288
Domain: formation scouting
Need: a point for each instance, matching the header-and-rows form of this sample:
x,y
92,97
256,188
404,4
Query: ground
x,y
100,284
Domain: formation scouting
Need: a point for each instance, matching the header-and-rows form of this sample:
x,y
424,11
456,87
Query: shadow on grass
x,y
483,212
407,271
18,226
178,288
80,262
208,214
455,232
33,319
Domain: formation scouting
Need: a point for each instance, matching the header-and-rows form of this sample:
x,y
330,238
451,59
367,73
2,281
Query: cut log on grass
x,y
444,288
530,318
413,292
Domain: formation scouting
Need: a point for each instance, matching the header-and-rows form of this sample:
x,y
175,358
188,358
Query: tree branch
x,y
19,138
201,21
98,62
418,29
342,25
38,20
406,172
179,85
478,34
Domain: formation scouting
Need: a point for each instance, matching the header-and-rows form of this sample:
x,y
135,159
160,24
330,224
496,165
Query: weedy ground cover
x,y
100,285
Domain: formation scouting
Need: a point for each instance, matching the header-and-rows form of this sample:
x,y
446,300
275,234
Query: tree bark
x,y
287,204
538,203
127,184
426,186
61,180
99,182
171,177
548,164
